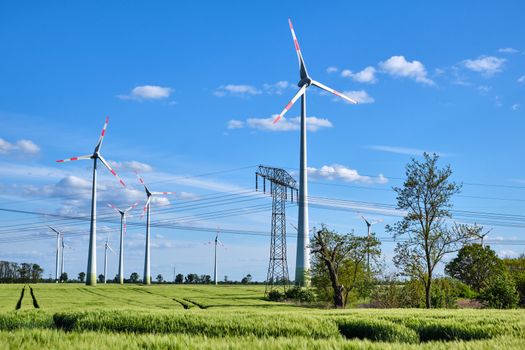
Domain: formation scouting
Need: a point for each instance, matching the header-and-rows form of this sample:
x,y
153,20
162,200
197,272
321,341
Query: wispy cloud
x,y
132,165
403,150
236,90
399,67
367,75
361,96
277,88
515,106
312,124
148,92
521,79
24,147
508,50
332,69
340,172
486,65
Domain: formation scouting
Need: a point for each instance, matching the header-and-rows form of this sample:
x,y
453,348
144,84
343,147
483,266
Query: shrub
x,y
500,293
443,294
303,295
275,295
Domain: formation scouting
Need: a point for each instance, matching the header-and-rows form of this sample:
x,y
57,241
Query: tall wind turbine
x,y
123,214
57,277
91,273
149,194
302,266
369,228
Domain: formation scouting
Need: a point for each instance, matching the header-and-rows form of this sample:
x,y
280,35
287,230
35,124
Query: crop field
x,y
73,316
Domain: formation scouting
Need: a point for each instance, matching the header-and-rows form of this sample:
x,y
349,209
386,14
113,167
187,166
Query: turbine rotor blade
x,y
111,170
161,193
54,230
75,158
131,207
337,93
113,207
145,207
290,104
101,138
302,68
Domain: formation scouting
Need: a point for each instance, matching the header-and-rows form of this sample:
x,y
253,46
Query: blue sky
x,y
190,90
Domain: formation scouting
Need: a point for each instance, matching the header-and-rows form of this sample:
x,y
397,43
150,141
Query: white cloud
x,y
508,50
340,172
484,89
276,89
521,79
515,106
487,65
148,92
361,96
403,150
332,70
132,165
312,124
367,75
26,147
236,90
398,66
235,124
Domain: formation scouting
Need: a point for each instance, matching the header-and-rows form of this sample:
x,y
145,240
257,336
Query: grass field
x,y
233,317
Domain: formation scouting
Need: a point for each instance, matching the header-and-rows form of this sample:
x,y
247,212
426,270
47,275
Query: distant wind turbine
x,y
123,214
91,275
149,194
369,228
57,277
106,247
303,240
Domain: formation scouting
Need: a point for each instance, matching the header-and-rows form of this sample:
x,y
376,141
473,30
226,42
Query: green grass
x,y
234,317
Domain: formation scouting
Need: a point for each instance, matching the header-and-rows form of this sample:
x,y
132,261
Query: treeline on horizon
x,y
12,272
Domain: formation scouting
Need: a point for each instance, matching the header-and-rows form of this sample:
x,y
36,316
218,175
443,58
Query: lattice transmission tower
x,y
282,189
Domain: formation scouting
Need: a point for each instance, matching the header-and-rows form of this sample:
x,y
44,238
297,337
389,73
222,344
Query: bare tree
x,y
341,260
426,197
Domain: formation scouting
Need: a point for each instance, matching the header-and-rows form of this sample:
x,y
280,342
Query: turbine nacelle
x,y
305,81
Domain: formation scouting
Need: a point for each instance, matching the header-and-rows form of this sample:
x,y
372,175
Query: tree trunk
x,y
339,301
428,286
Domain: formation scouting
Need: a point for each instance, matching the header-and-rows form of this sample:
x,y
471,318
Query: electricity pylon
x,y
280,183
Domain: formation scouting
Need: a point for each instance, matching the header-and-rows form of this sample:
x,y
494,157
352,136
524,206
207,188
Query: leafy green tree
x,y
63,277
475,265
516,268
159,278
339,262
426,198
134,277
500,293
191,278
101,278
246,279
179,278
36,273
81,276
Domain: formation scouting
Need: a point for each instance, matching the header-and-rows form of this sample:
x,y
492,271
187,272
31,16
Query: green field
x,y
233,317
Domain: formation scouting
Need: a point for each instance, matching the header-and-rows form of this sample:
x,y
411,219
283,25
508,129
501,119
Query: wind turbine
x,y
91,273
369,228
303,241
149,194
106,247
58,253
123,214
215,264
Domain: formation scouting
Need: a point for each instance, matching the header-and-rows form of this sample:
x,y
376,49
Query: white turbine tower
x,y
57,277
123,214
106,247
91,273
302,266
369,228
149,194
